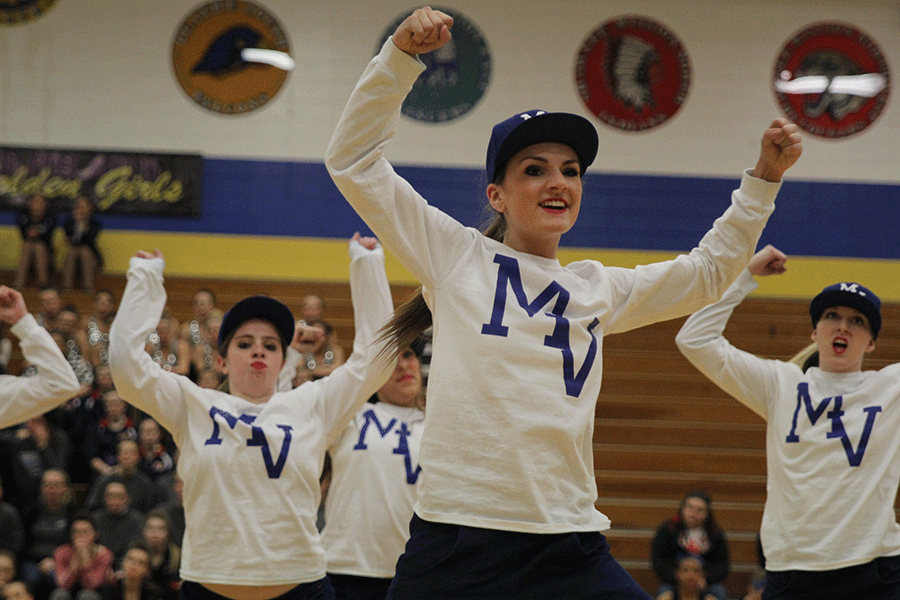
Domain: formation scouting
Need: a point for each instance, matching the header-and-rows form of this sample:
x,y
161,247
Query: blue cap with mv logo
x,y
852,295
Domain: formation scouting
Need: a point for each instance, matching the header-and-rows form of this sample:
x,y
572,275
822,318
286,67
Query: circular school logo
x,y
231,57
15,12
832,80
633,73
456,76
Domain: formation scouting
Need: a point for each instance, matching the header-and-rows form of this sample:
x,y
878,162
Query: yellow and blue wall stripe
x,y
283,220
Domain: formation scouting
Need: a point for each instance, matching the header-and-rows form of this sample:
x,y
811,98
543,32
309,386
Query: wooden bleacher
x,y
661,428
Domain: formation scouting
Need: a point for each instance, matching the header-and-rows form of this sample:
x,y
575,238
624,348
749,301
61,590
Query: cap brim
x,y
260,307
831,298
564,128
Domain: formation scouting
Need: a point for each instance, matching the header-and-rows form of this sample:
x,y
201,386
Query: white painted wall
x,y
98,73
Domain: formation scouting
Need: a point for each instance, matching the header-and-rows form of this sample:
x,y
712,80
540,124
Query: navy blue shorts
x,y
445,561
354,587
875,580
316,590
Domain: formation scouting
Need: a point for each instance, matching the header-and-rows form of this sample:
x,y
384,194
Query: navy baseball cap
x,y
536,126
260,307
852,295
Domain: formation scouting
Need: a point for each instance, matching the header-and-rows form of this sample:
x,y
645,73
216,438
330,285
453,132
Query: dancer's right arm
x,y
423,238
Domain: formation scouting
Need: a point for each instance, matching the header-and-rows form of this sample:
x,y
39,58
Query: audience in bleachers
x,y
40,446
168,349
50,307
143,492
12,530
690,580
96,326
117,522
163,553
201,332
8,567
47,528
17,590
36,224
173,508
155,458
41,539
82,257
102,441
135,579
693,531
321,355
82,566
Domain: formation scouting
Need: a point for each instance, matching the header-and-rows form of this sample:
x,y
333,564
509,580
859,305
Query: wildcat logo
x,y
208,61
15,12
509,276
855,457
831,80
633,73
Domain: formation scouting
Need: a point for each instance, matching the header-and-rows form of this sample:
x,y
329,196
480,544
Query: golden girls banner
x,y
124,183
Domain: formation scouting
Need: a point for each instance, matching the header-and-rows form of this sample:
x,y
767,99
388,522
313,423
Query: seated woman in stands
x,y
36,224
83,256
695,532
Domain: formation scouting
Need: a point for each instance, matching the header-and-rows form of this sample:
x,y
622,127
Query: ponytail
x,y
413,317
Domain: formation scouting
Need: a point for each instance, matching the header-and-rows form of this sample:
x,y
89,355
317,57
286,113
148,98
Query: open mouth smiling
x,y
554,205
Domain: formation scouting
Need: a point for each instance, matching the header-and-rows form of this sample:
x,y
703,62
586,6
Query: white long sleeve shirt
x,y
251,471
22,398
516,364
375,468
832,448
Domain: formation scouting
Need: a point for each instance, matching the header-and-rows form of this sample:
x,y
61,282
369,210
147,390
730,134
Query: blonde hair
x,y
806,358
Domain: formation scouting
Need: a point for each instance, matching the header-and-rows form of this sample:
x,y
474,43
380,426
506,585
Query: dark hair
x,y
710,525
115,478
139,544
806,358
811,361
158,513
83,515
